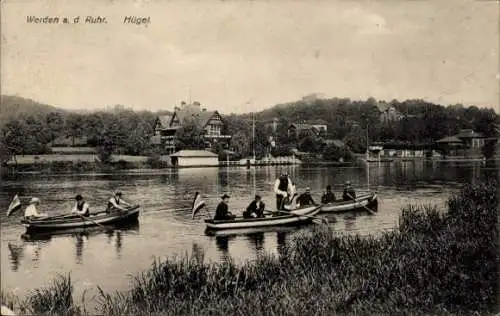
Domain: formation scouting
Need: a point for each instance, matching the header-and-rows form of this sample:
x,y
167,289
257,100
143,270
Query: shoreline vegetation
x,y
437,261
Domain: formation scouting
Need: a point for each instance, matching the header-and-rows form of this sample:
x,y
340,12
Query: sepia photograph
x,y
249,157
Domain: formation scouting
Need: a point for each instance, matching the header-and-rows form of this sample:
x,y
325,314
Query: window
x,y
213,130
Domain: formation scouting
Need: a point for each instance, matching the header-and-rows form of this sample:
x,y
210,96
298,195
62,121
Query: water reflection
x,y
222,243
34,243
256,241
281,241
15,256
79,246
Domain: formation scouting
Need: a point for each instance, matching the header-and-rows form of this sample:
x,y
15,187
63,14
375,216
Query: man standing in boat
x,y
222,212
283,188
81,207
116,203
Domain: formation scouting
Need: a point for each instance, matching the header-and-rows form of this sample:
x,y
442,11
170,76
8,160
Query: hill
x,y
15,106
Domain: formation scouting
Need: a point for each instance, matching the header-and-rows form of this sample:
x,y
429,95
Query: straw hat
x,y
34,200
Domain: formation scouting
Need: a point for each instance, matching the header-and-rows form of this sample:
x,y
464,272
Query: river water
x,y
108,259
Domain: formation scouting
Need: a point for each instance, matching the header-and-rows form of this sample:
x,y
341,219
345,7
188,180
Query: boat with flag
x,y
76,221
69,221
298,216
301,215
365,202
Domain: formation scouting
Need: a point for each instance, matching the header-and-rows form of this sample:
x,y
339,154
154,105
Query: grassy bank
x,y
435,263
63,167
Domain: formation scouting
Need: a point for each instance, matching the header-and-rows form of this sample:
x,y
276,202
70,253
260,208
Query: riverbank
x,y
435,263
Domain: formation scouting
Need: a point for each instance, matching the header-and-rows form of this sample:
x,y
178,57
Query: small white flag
x,y
198,203
13,205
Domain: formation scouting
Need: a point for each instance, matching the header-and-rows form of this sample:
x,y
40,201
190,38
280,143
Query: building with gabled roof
x,y
211,123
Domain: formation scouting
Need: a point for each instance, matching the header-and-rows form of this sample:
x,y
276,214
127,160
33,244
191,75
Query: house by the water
x,y
167,127
194,158
467,143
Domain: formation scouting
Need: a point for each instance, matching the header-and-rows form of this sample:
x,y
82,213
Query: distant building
x,y
167,127
194,158
388,113
466,143
315,129
272,125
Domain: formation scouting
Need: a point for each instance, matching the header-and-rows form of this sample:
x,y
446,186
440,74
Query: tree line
x,y
129,132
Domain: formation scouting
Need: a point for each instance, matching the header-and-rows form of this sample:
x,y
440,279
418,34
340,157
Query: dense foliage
x,y
128,132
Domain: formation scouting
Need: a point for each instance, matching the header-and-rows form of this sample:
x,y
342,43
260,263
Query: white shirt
x,y
278,191
31,210
84,208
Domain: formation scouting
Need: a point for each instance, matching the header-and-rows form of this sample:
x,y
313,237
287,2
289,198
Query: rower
x,y
255,209
328,196
31,211
283,188
306,198
222,212
117,203
81,207
349,193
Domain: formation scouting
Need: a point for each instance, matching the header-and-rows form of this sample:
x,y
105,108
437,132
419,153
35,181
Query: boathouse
x,y
194,158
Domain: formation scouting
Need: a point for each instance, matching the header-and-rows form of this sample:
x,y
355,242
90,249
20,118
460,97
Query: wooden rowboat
x,y
361,203
299,216
75,221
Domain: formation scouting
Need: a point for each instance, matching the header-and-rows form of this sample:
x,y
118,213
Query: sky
x,y
242,55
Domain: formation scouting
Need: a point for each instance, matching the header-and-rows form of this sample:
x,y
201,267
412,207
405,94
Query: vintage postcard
x,y
249,157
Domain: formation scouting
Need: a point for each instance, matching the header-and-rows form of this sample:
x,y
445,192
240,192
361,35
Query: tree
x,y
335,153
356,141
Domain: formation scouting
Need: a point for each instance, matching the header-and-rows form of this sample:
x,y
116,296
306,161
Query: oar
x,y
368,209
91,220
322,219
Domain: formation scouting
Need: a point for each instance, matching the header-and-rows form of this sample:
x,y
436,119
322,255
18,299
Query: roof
x,y
383,106
68,141
469,133
165,120
335,142
201,117
450,139
193,153
301,126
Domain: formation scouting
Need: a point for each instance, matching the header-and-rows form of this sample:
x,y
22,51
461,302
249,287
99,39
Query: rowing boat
x,y
362,202
77,221
299,216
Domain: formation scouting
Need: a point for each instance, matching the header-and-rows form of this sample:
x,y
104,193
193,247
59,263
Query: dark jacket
x,y
349,194
305,199
252,208
328,197
222,212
